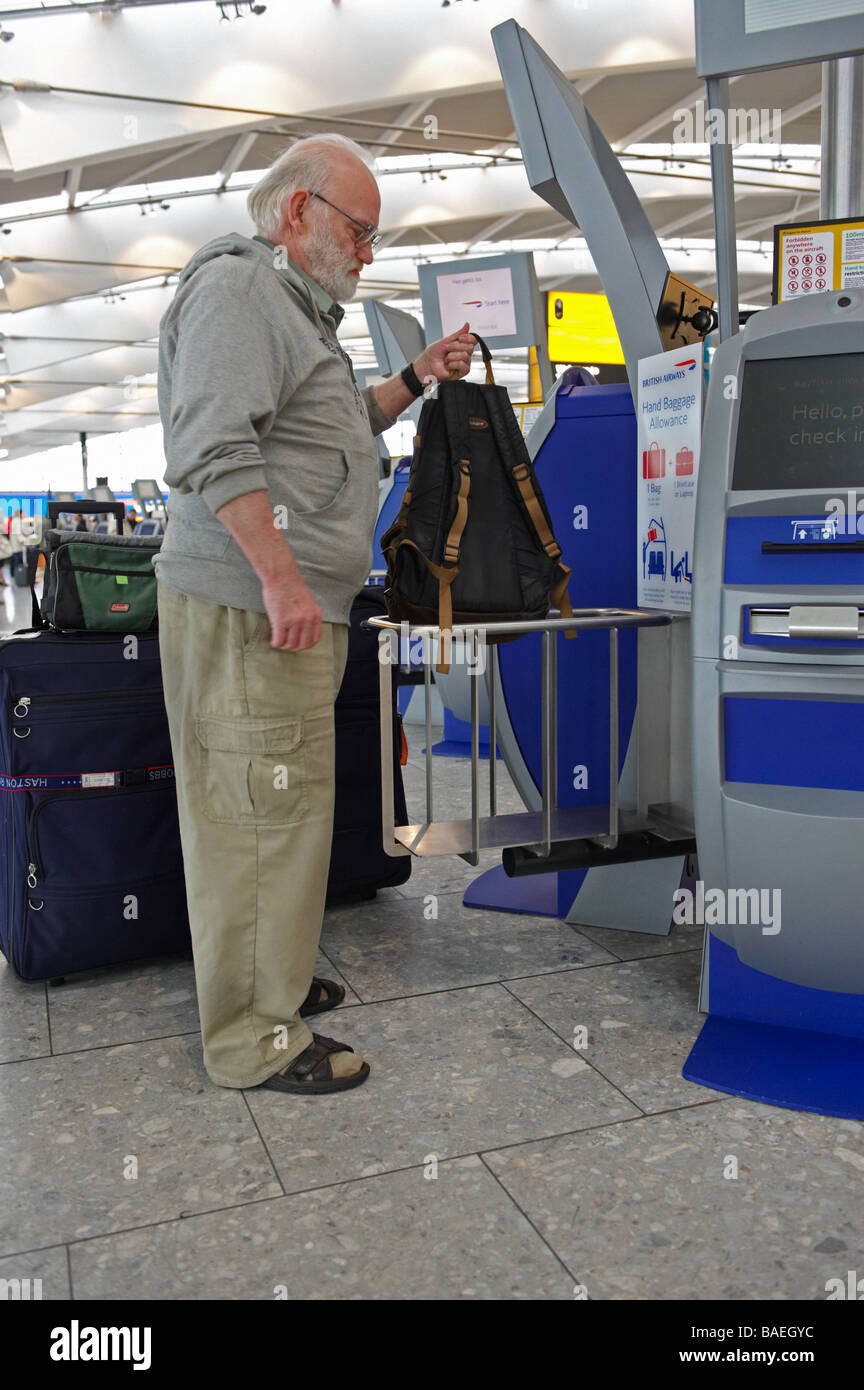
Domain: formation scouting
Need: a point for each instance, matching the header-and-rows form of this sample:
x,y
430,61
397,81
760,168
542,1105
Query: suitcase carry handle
x,y
82,506
487,361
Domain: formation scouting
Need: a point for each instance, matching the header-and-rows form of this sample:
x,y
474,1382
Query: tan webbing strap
x,y
451,564
535,511
454,537
445,577
445,622
558,596
561,599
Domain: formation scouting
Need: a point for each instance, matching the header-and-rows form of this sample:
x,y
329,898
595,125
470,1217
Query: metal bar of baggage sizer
x,y
492,660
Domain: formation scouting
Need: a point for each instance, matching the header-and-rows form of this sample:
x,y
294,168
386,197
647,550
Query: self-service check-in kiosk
x,y
778,709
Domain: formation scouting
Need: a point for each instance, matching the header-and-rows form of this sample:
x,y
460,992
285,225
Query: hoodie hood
x,y
232,244
247,248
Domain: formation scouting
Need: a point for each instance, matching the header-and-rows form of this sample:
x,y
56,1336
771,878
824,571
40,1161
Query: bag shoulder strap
x,y
456,424
510,441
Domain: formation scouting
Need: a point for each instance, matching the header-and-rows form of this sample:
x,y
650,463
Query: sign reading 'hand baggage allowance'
x,y
669,420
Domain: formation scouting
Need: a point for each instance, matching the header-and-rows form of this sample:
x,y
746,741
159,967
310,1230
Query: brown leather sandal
x,y
331,998
311,1072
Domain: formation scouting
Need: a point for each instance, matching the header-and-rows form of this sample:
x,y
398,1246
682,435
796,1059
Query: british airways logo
x,y
690,364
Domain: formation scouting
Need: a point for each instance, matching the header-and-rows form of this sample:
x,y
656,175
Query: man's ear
x,y
296,205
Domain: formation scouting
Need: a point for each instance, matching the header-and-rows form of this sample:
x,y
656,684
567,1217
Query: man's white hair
x,y
307,164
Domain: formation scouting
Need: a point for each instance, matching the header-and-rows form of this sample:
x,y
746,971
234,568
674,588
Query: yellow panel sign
x,y
582,329
526,413
813,257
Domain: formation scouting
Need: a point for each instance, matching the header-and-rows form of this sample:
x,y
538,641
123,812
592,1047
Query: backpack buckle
x,y
520,472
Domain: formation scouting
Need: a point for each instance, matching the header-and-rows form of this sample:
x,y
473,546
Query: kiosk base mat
x,y
791,1067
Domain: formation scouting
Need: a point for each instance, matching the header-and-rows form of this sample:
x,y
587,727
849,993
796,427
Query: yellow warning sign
x,y
813,257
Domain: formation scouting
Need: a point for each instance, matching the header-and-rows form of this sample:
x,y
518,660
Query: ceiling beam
x,y
802,108
698,216
72,183
487,232
638,134
549,227
237,153
388,238
140,175
798,209
406,117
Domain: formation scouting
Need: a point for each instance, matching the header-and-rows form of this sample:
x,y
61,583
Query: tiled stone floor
x,y
485,1158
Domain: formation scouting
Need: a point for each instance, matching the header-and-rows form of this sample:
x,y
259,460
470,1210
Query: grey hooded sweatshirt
x,y
256,393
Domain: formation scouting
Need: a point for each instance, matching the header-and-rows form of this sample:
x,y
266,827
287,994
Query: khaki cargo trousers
x,y
252,735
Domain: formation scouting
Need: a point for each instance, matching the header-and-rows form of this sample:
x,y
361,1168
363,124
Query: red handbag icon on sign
x,y
684,462
654,462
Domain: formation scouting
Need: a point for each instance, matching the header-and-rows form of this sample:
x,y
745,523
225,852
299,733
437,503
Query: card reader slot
x,y
811,547
809,622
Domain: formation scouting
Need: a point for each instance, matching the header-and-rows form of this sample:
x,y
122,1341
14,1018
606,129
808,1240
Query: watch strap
x,y
412,380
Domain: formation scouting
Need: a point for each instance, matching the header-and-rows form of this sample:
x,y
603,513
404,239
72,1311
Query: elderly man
x,y
273,470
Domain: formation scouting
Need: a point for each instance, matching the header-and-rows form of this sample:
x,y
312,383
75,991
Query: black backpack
x,y
473,541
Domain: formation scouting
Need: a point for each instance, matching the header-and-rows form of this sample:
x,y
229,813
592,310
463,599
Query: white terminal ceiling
x,y
130,138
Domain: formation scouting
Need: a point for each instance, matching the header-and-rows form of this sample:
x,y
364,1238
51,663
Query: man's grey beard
x,y
327,263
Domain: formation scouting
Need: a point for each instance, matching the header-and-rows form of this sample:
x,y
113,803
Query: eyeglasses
x,y
371,236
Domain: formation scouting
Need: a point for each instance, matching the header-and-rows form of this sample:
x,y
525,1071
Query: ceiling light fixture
x,y
238,5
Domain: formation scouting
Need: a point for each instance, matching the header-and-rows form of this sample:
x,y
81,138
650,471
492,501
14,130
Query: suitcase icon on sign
x,y
654,461
684,463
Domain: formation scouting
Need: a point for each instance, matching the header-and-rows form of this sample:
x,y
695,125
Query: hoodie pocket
x,y
328,487
336,540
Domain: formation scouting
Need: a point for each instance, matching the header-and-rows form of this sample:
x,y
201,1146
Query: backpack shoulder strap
x,y
511,444
559,596
456,423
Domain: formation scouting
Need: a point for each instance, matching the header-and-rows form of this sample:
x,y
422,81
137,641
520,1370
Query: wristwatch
x,y
412,380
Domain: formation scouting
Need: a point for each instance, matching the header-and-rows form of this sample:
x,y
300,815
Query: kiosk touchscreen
x,y
778,679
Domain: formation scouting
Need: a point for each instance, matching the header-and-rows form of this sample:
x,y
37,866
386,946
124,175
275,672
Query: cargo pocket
x,y
252,771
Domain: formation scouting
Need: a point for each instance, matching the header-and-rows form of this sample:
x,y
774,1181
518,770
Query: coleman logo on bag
x,y
473,540
120,607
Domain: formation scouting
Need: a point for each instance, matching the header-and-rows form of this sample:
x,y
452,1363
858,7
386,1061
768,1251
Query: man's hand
x,y
295,618
434,364
450,354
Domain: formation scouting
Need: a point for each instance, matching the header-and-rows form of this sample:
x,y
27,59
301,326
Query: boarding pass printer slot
x,y
809,622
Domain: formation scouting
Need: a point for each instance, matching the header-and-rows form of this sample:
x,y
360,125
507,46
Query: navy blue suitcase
x,y
358,863
92,869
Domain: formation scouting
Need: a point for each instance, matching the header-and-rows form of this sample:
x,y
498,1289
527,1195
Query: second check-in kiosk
x,y
778,708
